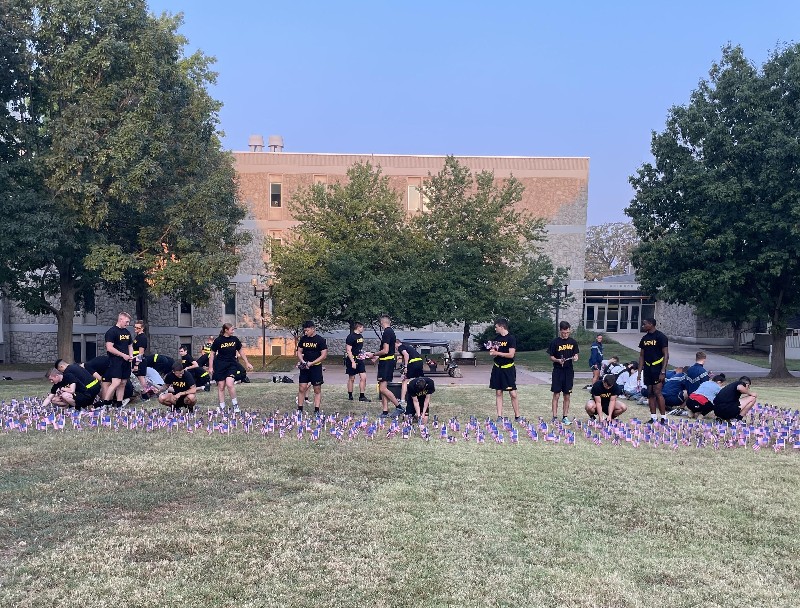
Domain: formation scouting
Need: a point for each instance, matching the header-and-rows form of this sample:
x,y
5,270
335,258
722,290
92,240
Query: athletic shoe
x,y
384,414
588,387
566,421
399,411
350,397
517,418
554,420
207,387
664,421
365,399
125,401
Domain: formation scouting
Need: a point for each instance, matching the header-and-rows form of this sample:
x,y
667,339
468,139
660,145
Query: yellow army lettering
x,y
503,343
649,342
359,341
124,337
227,344
565,347
181,384
308,345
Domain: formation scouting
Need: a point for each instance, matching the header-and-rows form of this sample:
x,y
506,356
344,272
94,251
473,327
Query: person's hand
x,y
249,366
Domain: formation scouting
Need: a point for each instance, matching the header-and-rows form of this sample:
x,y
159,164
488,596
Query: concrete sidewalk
x,y
684,354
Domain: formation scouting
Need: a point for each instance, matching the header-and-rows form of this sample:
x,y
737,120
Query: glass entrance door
x,y
629,317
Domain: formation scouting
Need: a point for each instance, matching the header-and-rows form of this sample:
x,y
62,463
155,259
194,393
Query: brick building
x,y
556,189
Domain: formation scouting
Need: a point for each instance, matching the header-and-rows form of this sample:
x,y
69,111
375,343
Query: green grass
x,y
104,519
756,357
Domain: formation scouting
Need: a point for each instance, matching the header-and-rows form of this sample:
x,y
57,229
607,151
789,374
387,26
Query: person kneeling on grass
x,y
604,404
181,391
419,398
701,401
735,400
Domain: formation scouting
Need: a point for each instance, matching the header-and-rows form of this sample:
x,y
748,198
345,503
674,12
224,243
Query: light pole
x,y
553,290
264,292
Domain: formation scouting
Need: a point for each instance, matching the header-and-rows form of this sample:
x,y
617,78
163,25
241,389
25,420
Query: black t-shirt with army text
x,y
565,348
120,339
504,345
605,394
355,342
312,347
179,385
652,345
428,389
139,344
225,348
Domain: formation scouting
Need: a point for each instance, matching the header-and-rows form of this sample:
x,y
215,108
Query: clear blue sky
x,y
472,78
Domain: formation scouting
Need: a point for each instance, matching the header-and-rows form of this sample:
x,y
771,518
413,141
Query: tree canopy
x,y
717,210
117,177
608,249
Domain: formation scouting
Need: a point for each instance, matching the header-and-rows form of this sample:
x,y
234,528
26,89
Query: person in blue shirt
x,y
595,360
697,373
674,390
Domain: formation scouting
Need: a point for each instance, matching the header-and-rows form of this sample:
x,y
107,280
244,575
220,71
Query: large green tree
x,y
119,162
608,249
479,247
350,257
718,209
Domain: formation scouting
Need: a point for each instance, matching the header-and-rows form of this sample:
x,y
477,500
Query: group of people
x,y
107,378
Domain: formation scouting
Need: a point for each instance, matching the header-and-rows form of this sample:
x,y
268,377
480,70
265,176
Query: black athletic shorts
x,y
311,375
118,368
415,370
503,378
563,379
354,371
410,405
696,406
727,411
650,374
224,369
386,370
181,403
201,376
84,399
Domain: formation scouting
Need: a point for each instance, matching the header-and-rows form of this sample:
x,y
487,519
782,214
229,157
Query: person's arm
x,y
300,354
665,362
425,404
745,390
598,407
113,351
323,353
383,351
349,354
194,364
211,363
243,357
611,405
641,367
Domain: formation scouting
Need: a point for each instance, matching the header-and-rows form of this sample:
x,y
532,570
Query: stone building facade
x,y
556,189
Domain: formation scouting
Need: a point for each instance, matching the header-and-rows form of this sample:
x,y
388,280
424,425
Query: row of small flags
x,y
767,426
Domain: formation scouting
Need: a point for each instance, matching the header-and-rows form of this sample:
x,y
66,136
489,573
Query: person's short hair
x,y
635,364
613,357
398,339
386,317
699,355
307,324
745,380
141,322
177,366
564,325
650,320
357,324
719,378
598,336
419,383
501,322
610,380
59,362
122,313
53,373
180,348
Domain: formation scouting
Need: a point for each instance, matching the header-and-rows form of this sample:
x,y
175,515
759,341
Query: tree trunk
x,y
737,337
778,367
142,308
465,337
65,315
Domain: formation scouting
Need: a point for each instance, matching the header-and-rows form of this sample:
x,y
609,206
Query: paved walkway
x,y
683,354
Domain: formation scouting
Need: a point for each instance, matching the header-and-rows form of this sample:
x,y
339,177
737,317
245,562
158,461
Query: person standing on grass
x,y
563,352
595,360
119,347
225,349
653,361
386,360
604,403
353,366
181,389
140,342
735,400
504,373
311,352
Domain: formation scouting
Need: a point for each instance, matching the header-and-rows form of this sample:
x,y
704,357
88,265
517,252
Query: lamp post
x,y
264,293
553,290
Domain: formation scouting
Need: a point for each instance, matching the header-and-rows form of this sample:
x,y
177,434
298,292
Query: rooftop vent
x,y
275,143
256,143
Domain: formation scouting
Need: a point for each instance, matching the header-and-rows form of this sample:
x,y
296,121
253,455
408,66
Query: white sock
x,y
222,404
235,401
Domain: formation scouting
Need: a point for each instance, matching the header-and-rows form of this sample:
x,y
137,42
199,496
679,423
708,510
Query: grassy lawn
x,y
136,519
756,357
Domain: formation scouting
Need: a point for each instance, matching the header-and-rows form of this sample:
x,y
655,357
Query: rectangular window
x,y
275,195
185,314
277,350
230,303
414,195
185,342
320,180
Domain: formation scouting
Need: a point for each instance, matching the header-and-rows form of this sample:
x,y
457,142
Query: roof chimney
x,y
275,143
256,143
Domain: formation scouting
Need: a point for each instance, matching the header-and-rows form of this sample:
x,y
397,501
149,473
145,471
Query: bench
x,y
465,356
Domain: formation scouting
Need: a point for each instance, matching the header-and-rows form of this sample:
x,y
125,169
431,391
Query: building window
x,y
84,348
320,180
185,342
417,201
229,305
185,314
275,195
277,350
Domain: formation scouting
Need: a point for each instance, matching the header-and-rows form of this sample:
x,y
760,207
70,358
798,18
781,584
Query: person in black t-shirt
x,y
161,363
386,360
413,367
603,403
419,393
86,386
735,400
653,360
224,351
563,352
140,342
62,393
119,346
503,378
353,365
311,352
181,391
197,367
